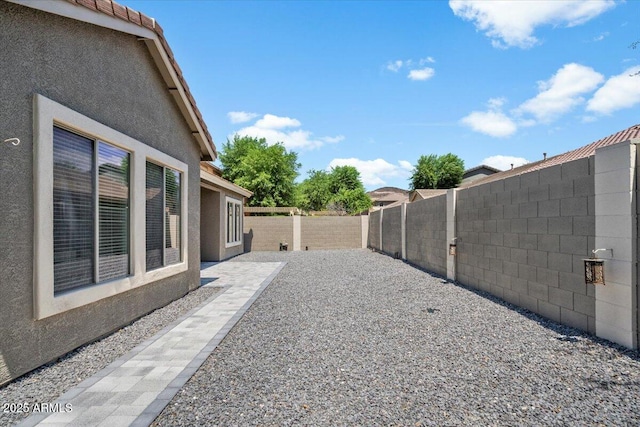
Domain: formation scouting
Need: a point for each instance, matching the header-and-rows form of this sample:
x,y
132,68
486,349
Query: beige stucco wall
x,y
213,225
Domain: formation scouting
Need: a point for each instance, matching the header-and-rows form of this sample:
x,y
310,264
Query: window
x,y
90,207
91,211
162,216
234,222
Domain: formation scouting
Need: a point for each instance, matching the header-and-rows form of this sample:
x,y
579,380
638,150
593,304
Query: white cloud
x,y
405,165
394,66
504,162
374,172
601,36
619,92
423,74
332,139
282,129
512,23
240,116
269,121
492,122
496,103
562,92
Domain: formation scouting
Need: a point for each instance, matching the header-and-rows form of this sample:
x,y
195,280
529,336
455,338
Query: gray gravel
x,y
47,383
358,338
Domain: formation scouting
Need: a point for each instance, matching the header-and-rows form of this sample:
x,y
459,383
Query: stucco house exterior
x,y
101,199
222,215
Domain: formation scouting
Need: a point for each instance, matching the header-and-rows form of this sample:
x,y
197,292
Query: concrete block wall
x,y
265,233
426,232
523,239
392,231
373,239
616,230
331,232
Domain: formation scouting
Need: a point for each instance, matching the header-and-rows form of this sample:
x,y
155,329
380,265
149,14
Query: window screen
x,y
163,218
229,222
80,197
237,223
172,221
113,211
73,213
234,221
154,215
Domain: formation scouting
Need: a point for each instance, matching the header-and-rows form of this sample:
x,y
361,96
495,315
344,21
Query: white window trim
x,y
46,114
227,200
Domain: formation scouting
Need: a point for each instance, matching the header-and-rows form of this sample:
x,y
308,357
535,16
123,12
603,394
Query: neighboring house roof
x,y
477,168
212,175
421,194
388,194
586,151
478,172
109,14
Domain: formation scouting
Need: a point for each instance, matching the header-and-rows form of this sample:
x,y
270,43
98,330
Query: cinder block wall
x,y
265,233
523,239
392,231
427,234
329,232
373,239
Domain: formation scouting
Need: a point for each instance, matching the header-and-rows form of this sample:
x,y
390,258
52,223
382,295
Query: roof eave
x,y
217,181
153,42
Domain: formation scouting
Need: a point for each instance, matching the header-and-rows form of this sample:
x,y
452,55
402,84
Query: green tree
x,y
345,177
340,190
437,171
314,192
350,201
267,170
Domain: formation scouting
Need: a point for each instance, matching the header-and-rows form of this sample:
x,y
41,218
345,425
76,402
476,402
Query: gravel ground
x,y
48,382
358,338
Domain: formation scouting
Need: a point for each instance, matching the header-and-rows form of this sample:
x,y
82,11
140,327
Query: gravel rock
x,y
357,338
47,383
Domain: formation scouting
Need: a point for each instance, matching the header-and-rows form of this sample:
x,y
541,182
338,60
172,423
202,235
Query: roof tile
x,y
146,21
120,11
134,16
91,4
579,153
105,6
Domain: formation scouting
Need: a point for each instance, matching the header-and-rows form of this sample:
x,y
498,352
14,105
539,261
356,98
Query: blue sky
x,y
376,84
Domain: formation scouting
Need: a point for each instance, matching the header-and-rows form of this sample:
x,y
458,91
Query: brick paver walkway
x,y
135,388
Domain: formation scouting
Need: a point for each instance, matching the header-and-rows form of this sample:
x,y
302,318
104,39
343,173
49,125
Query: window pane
x,y
172,220
237,223
113,191
229,222
73,246
154,215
